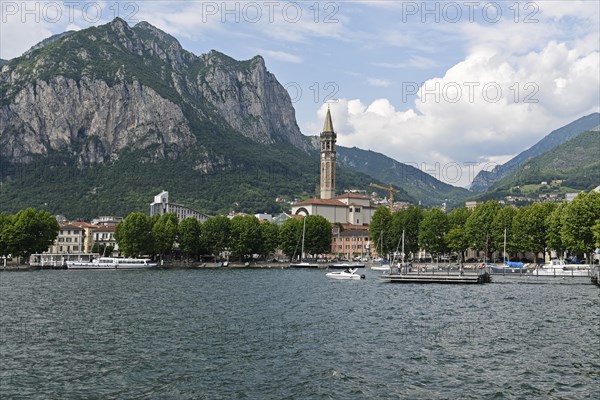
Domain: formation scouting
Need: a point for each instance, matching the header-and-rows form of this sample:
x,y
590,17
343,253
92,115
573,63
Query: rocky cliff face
x,y
64,114
252,102
98,91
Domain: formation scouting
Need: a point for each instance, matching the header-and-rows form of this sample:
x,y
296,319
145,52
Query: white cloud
x,y
281,56
378,82
17,37
457,121
413,62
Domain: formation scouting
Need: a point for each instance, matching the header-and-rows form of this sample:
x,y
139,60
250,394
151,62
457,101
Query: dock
x,y
449,277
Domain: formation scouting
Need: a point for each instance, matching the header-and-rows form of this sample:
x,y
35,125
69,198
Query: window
x,y
350,209
75,248
357,209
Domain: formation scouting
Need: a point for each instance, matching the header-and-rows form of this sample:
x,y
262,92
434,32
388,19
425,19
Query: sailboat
x,y
510,266
303,264
383,266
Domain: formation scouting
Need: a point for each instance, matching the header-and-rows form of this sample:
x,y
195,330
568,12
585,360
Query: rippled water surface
x,y
258,334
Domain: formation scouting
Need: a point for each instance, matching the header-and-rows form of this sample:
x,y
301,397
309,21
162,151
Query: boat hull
x,y
304,265
561,272
344,276
112,264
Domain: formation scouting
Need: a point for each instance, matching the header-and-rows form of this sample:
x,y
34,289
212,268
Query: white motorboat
x,y
560,269
346,274
112,263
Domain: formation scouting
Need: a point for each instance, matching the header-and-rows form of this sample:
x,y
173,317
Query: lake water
x,y
258,334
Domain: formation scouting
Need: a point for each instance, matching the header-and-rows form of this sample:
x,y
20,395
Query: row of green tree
x,y
539,227
27,232
241,237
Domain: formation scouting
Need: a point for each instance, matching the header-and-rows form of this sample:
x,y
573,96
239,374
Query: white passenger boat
x,y
346,274
112,263
560,269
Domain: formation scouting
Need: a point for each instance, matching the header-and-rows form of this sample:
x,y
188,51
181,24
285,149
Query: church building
x,y
348,208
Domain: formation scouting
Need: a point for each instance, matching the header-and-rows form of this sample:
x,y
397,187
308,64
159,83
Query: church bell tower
x,y
328,138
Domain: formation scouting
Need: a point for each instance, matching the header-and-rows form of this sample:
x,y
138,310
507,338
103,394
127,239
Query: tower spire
x,y
328,127
328,139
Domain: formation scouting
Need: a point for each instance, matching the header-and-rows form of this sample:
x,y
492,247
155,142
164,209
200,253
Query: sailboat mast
x,y
403,246
303,230
505,245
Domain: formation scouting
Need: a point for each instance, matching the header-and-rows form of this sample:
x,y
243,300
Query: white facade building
x,y
348,208
162,206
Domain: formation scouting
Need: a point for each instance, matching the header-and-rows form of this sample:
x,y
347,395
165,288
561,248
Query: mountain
x,y
485,179
100,120
2,62
413,182
573,165
119,87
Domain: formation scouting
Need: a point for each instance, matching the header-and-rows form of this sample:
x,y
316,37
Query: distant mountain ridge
x,y
484,179
420,186
575,164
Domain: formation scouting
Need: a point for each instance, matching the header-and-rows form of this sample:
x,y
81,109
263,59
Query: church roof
x,y
351,196
325,202
328,127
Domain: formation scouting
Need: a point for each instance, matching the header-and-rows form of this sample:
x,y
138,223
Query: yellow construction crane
x,y
389,189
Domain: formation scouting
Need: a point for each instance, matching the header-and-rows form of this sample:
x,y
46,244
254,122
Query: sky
x,y
450,87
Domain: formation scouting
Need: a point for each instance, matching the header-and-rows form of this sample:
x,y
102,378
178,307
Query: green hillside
x,y
412,182
571,166
262,174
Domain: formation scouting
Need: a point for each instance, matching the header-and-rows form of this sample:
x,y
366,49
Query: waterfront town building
x,y
80,237
350,241
104,236
108,220
161,205
348,208
70,239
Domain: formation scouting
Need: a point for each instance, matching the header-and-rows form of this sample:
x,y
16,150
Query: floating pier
x,y
451,277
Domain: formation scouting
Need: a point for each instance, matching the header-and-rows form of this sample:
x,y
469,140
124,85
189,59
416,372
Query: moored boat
x,y
560,269
346,274
112,263
303,265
